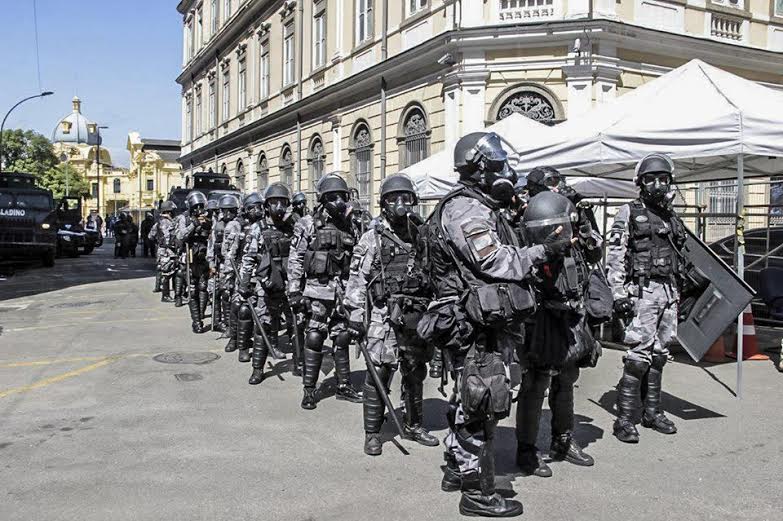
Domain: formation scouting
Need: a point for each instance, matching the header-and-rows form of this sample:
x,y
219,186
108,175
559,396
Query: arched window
x,y
532,101
224,169
413,136
316,160
263,172
286,167
240,177
117,186
361,161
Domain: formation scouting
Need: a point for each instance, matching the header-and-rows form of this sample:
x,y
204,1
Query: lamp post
x,y
2,126
64,159
98,166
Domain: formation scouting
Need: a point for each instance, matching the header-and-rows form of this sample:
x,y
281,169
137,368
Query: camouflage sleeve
x,y
302,232
361,274
253,247
184,228
471,229
168,235
615,255
153,235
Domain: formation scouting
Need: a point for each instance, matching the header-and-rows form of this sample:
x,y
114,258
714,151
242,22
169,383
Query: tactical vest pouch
x,y
599,302
485,389
316,263
405,313
445,325
494,304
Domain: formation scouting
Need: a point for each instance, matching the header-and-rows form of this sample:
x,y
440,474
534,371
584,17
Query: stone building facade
x,y
292,89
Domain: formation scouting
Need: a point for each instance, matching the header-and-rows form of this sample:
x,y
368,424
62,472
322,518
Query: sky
x,y
120,57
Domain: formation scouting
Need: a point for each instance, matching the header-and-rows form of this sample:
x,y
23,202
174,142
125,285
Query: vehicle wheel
x,y
48,258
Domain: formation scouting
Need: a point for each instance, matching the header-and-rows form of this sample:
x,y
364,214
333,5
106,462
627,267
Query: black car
x,y
28,222
758,243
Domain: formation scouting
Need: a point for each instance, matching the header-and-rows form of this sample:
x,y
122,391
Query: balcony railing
x,y
726,28
526,10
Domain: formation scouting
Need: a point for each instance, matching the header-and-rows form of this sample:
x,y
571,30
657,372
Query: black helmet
x,y
228,202
545,213
277,190
397,183
542,179
654,175
398,196
299,198
464,145
212,204
194,199
252,200
168,206
331,183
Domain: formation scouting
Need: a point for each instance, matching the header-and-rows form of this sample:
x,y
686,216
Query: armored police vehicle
x,y
28,221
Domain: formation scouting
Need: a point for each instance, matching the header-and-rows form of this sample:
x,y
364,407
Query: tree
x,y
61,176
27,151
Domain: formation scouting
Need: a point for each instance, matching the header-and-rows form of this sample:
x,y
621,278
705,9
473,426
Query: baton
x,y
295,340
253,314
381,388
187,268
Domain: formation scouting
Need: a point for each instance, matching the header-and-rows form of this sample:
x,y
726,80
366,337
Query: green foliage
x,y
27,151
57,178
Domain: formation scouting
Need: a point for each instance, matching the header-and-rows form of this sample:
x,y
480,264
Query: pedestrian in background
x,y
148,248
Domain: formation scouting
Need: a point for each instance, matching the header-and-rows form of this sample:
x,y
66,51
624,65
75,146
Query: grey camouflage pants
x,y
654,323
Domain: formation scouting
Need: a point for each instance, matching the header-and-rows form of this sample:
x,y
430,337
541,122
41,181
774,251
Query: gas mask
x,y
195,210
398,205
277,208
496,178
255,212
336,204
229,214
656,188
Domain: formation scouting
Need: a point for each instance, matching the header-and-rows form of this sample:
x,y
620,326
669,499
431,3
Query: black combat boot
x,y
217,314
565,448
483,500
313,356
452,477
165,291
178,290
259,359
195,316
157,288
244,339
231,346
529,403
628,390
414,409
373,409
653,417
342,369
203,302
273,334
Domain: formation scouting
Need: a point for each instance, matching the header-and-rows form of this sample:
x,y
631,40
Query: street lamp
x,y
2,126
98,166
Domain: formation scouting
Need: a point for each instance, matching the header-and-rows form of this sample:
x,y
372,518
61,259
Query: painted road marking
x,y
81,324
58,378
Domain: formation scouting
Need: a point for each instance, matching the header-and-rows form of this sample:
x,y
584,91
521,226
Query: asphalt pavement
x,y
112,409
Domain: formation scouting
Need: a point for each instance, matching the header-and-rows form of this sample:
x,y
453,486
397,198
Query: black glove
x,y
244,291
555,247
296,301
356,329
623,307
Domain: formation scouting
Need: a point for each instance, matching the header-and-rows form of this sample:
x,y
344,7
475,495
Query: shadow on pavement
x,y
99,266
674,405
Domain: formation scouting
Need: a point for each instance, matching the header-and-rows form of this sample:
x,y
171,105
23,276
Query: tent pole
x,y
740,242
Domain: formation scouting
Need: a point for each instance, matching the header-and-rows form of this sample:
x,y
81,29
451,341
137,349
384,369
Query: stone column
x,y
451,103
337,143
578,8
472,13
579,80
606,79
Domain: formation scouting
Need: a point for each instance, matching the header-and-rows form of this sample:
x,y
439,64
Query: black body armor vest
x,y
329,254
653,244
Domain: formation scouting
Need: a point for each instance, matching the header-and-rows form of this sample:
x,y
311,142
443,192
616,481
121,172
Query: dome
x,y
75,128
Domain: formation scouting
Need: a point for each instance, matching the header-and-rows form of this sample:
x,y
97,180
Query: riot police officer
x,y
479,269
558,339
265,259
164,235
643,269
299,204
194,233
254,216
180,275
389,282
232,248
318,267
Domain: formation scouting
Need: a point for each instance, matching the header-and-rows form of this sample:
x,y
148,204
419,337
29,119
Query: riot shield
x,y
713,296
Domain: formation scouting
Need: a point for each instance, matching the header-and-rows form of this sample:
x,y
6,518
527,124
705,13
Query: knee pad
x,y
314,341
342,340
658,361
636,368
235,305
244,312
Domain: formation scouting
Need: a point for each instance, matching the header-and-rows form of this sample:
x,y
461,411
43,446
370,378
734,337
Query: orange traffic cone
x,y
750,346
717,352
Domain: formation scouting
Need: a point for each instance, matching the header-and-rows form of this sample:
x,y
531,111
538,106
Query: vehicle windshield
x,y
27,201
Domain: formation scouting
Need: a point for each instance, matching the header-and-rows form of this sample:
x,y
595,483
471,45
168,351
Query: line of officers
x,y
501,272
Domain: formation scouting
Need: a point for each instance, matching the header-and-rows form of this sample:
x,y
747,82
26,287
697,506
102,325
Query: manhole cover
x,y
188,377
186,358
75,304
